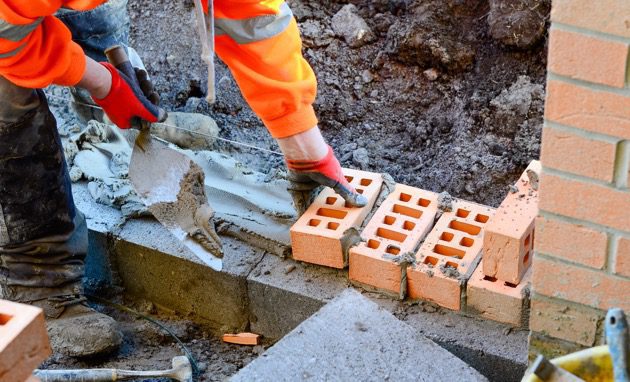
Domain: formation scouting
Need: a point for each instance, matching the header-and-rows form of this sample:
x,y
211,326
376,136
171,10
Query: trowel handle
x,y
94,375
117,56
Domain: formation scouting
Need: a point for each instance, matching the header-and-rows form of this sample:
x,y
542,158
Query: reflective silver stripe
x,y
256,28
4,232
14,32
13,52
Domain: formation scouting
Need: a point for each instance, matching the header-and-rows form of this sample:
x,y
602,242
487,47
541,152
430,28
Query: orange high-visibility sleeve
x,y
36,49
260,42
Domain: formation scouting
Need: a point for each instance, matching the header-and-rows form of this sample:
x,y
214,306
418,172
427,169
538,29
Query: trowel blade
x,y
156,172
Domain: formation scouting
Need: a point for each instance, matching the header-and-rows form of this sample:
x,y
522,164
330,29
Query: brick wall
x,y
582,245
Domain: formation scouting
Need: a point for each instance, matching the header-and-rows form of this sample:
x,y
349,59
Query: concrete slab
x,y
351,338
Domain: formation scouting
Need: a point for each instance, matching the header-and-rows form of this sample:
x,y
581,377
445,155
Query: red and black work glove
x,y
127,101
307,176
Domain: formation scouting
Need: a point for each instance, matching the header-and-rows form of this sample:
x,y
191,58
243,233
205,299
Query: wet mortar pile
x,y
435,93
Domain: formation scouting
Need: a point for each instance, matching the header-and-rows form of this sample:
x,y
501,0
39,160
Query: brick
x,y
578,155
398,226
622,259
599,204
607,16
581,285
508,242
565,321
587,58
317,237
23,340
449,255
498,300
571,242
241,338
588,109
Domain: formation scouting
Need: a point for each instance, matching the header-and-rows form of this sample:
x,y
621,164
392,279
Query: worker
x,y
43,238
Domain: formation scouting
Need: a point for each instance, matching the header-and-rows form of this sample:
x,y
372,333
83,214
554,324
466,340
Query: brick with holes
x,y
321,236
23,340
398,226
449,255
499,300
509,239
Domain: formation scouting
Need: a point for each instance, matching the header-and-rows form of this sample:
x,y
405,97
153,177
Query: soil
x,y
148,347
432,99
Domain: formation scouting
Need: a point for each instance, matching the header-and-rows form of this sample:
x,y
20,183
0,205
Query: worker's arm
x,y
260,42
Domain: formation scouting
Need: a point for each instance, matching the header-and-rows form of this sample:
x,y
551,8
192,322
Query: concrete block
x,y
449,255
283,293
351,338
320,234
498,300
509,235
398,226
23,340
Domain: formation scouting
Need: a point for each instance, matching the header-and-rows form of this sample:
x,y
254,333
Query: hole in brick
x,y
314,222
389,220
390,235
462,213
409,225
482,218
445,250
424,202
466,242
4,318
491,279
451,264
446,236
392,250
366,182
404,197
360,190
333,225
526,258
331,200
430,260
374,244
510,285
407,211
327,212
527,240
349,178
465,227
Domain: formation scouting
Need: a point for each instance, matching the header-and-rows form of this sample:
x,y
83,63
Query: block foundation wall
x,y
581,264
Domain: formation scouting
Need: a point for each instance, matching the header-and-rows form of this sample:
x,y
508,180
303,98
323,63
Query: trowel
x,y
170,184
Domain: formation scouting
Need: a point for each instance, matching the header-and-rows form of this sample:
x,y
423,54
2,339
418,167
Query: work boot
x,y
43,238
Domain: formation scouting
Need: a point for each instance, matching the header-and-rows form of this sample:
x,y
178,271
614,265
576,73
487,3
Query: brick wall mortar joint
x,y
585,223
589,32
622,165
584,179
624,92
577,265
581,132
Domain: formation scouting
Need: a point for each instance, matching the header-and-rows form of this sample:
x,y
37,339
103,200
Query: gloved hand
x,y
306,176
127,100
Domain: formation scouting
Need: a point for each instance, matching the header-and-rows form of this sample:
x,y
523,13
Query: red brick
x,y
588,109
607,16
582,285
565,321
397,227
587,58
317,235
622,259
498,300
578,155
456,242
509,239
571,242
23,340
599,204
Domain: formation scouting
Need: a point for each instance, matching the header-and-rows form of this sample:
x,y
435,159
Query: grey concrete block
x,y
283,293
352,339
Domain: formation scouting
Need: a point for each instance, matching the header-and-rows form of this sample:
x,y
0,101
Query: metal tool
x,y
157,172
616,328
205,28
180,371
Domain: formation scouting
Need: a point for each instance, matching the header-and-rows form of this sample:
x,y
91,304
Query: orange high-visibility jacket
x,y
257,39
